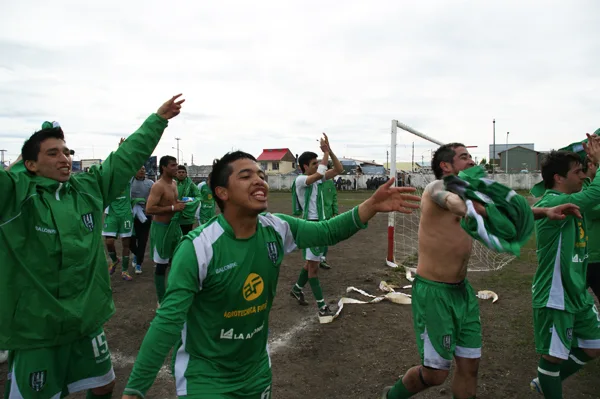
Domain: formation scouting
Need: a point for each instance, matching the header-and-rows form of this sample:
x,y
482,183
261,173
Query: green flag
x,y
509,222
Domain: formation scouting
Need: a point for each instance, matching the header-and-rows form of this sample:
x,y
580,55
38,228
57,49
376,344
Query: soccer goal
x,y
403,229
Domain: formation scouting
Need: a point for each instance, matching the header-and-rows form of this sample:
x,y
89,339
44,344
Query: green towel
x,y
509,222
577,147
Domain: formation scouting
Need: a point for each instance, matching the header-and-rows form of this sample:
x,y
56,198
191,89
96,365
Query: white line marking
x,y
281,341
121,360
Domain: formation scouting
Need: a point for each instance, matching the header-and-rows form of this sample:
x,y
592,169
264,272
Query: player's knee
x,y
161,269
552,359
593,353
109,241
104,390
432,377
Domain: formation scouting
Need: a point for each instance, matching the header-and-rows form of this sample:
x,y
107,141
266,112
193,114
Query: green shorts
x,y
61,370
163,240
557,331
117,226
446,322
315,254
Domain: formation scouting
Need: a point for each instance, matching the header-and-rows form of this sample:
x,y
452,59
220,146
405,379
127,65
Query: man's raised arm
x,y
118,168
386,199
445,199
337,165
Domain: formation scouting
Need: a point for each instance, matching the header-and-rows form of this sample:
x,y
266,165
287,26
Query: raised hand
x,y
388,199
121,141
171,108
592,148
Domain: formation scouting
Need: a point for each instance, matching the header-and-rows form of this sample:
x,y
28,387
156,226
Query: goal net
x,y
403,229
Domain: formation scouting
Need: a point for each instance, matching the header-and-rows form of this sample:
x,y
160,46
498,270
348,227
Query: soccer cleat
x,y
3,356
299,296
138,269
535,386
125,276
113,266
324,265
325,314
384,394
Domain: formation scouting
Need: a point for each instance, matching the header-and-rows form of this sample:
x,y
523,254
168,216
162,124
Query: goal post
x,y
391,261
403,229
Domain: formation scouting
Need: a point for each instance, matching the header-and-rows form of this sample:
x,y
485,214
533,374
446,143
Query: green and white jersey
x,y
207,206
218,300
562,252
121,206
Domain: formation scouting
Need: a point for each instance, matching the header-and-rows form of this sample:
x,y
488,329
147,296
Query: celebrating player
x,y
55,294
223,282
118,223
444,305
307,194
165,231
566,320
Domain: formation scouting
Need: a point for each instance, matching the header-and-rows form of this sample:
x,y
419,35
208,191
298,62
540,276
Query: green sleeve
x,y
586,199
118,168
165,329
13,190
325,233
335,203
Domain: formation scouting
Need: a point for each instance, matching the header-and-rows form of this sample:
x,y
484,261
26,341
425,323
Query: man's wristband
x,y
172,208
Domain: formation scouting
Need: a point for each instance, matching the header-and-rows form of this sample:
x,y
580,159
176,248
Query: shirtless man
x,y
165,231
445,308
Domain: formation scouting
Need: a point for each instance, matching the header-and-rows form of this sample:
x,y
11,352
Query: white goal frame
x,y
391,261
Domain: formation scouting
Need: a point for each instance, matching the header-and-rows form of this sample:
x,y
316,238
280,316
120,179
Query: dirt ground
x,y
368,346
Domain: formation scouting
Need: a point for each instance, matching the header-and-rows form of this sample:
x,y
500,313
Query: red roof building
x,y
277,161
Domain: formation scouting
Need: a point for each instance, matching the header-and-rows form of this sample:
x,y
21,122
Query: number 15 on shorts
x,y
100,347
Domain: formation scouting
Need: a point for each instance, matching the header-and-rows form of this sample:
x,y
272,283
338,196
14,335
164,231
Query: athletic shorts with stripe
x,y
48,373
557,331
314,254
117,226
446,322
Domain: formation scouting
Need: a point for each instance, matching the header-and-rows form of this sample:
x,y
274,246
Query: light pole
x,y
177,138
494,149
507,133
178,151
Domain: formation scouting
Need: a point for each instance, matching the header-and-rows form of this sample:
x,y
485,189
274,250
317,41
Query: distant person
x,y
187,189
140,191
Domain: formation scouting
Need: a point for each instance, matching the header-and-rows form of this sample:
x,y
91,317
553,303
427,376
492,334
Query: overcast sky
x,y
275,74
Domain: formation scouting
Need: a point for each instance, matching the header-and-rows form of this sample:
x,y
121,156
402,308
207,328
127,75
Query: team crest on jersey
x,y
447,341
37,380
88,221
569,334
273,255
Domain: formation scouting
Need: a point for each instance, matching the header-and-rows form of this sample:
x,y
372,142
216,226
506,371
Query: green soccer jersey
x,y
55,288
207,207
593,229
562,252
121,207
217,305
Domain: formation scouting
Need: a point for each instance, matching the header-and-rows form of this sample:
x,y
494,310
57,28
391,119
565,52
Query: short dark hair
x,y
181,167
305,159
443,154
164,162
558,163
31,148
222,170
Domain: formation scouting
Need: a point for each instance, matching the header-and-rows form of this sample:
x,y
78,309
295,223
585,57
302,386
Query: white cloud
x,y
277,74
